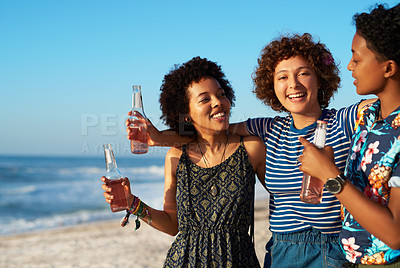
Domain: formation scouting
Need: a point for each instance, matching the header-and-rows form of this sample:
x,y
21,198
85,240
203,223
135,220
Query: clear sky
x,y
67,66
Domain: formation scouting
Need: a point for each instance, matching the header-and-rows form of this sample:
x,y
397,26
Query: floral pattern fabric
x,y
215,213
373,168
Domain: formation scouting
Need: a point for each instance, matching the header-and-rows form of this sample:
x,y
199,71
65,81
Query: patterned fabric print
x,y
372,168
214,230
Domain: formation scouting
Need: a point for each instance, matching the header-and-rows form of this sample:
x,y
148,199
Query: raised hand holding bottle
x,y
138,125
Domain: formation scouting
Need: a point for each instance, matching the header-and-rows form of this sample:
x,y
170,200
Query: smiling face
x,y
209,108
366,69
296,87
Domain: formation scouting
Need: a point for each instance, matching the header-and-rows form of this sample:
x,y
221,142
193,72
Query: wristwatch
x,y
335,185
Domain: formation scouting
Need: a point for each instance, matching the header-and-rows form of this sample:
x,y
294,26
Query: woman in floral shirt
x,y
370,188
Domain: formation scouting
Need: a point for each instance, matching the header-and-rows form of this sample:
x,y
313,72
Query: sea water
x,y
49,192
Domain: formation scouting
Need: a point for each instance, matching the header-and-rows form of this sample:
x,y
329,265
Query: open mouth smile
x,y
297,95
220,115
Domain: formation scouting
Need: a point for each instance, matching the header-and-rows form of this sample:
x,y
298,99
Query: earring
x,y
188,119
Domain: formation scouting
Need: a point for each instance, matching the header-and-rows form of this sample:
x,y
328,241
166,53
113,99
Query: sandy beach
x,y
103,244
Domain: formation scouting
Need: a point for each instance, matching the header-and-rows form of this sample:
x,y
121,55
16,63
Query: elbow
x,y
173,232
395,245
394,241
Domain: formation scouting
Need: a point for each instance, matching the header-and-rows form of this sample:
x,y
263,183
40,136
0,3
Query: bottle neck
x,y
137,103
110,159
111,164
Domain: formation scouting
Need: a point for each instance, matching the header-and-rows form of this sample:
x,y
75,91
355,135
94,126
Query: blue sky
x,y
67,66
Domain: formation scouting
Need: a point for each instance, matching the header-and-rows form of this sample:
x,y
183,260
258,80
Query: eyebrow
x,y
301,67
205,93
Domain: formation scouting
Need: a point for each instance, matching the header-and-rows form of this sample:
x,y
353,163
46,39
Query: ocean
x,y
49,192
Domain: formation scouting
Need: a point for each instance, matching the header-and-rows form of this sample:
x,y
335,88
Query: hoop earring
x,y
188,119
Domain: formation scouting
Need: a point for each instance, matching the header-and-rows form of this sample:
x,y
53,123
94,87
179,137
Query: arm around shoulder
x,y
239,129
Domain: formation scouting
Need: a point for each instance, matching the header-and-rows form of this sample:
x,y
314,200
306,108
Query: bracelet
x,y
140,210
135,205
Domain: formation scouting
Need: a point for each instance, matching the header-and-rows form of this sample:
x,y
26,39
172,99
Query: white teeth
x,y
218,115
298,95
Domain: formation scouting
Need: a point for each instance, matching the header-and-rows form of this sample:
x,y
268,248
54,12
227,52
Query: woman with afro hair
x,y
210,180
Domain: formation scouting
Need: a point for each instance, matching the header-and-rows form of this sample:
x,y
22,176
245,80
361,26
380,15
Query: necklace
x,y
214,188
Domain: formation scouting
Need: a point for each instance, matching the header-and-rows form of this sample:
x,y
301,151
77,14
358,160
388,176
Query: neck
x,y
301,121
390,98
214,142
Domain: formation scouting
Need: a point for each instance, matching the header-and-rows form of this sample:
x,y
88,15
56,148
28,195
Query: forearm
x,y
163,220
170,138
377,219
239,129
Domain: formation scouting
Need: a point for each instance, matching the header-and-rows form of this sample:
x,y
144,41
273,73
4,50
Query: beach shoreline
x,y
104,244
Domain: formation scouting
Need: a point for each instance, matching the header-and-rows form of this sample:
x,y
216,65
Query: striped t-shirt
x,y
283,177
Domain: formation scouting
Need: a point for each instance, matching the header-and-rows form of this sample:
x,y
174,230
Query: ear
x,y
391,68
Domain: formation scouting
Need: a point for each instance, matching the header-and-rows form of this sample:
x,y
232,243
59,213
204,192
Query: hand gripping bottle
x,y
312,188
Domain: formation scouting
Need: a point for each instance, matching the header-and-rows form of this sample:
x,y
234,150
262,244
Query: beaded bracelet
x,y
132,210
140,210
134,205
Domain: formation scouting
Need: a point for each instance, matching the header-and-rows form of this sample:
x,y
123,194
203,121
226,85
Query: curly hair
x,y
285,47
174,100
381,31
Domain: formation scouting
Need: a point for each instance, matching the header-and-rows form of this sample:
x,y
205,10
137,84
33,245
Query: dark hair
x,y
285,47
381,31
174,100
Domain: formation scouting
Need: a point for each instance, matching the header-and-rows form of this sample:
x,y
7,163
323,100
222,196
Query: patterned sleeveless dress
x,y
215,213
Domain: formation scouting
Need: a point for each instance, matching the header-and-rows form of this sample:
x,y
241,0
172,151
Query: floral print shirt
x,y
373,167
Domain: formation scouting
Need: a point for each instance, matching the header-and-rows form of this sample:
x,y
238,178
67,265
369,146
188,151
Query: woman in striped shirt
x,y
299,76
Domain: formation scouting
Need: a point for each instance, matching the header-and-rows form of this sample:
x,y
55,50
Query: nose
x,y
350,65
216,103
293,82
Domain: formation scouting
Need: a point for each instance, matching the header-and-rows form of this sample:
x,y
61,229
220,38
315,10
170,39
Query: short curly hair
x,y
285,47
381,31
174,100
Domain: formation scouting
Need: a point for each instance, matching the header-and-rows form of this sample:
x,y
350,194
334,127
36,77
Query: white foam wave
x,y
15,226
150,170
20,190
90,171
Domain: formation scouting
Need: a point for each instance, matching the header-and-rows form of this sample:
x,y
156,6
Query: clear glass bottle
x,y
120,201
312,188
139,141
